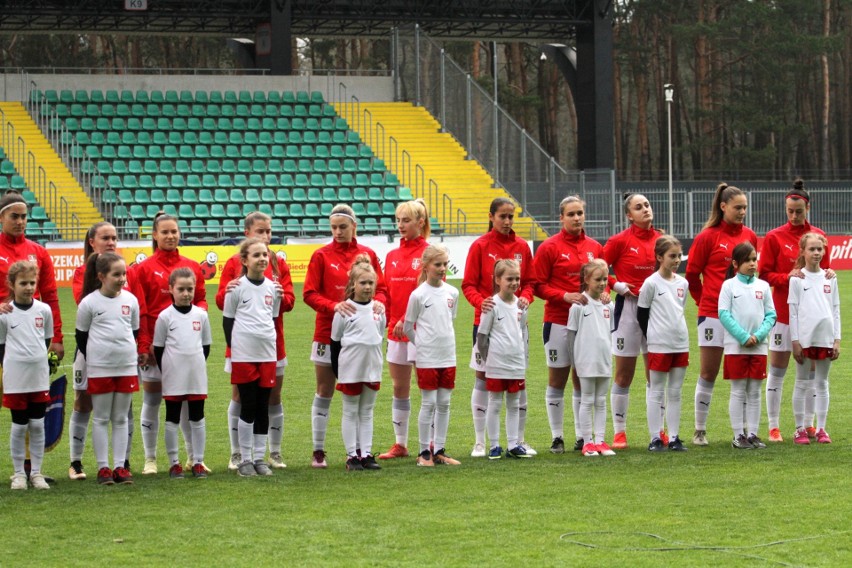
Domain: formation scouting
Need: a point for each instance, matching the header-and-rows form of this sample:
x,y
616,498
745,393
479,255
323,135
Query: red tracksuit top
x,y
13,249
151,277
709,257
631,255
478,281
233,269
558,261
130,286
402,269
778,255
326,279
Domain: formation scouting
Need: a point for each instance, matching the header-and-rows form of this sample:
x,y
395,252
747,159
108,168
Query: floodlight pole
x,y
669,91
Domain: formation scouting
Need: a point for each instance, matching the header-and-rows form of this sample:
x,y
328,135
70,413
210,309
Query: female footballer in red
x,y
499,243
324,291
630,253
402,269
709,259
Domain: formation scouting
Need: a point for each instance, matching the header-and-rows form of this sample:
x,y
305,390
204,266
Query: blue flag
x,y
54,418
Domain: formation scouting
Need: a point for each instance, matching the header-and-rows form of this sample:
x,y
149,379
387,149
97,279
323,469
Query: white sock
x,y
513,402
18,446
149,422
735,405
259,445
654,396
78,427
366,405
601,389
703,396
199,439
131,425
246,435
442,418
754,390
101,411
172,443
479,408
349,423
555,400
810,399
492,419
276,427
821,386
575,408
186,429
586,410
522,415
319,420
428,401
620,400
774,391
801,391
400,415
674,400
120,408
234,409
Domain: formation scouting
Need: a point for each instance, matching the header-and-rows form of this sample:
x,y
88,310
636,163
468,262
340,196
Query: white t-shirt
x,y
183,336
593,324
253,308
508,340
24,332
814,310
748,303
111,348
360,336
433,310
667,329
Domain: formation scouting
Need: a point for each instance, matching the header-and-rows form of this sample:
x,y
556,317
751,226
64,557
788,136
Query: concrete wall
x,y
374,89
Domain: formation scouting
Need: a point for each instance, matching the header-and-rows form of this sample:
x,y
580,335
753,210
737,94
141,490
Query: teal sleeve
x,y
766,326
733,327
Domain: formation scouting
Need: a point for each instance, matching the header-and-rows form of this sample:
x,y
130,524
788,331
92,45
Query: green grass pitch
x,y
786,505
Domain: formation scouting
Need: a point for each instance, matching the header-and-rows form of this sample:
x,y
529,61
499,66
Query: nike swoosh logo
x,y
321,414
246,301
173,328
585,315
806,289
501,319
78,438
427,305
14,326
735,296
99,314
660,293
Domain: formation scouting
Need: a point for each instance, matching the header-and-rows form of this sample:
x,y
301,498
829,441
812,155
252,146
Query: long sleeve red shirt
x,y
631,255
402,269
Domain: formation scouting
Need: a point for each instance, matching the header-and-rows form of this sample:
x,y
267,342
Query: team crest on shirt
x,y
31,257
196,326
708,334
518,257
551,355
619,343
680,293
78,377
777,339
125,310
606,313
826,288
590,256
478,358
267,300
39,323
758,294
415,264
320,350
450,303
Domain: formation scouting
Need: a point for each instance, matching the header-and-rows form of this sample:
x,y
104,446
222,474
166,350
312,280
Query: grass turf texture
x,y
504,512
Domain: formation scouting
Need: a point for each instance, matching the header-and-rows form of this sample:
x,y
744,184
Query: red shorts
x,y
105,385
245,372
183,397
818,353
505,385
663,362
744,367
355,389
21,400
434,379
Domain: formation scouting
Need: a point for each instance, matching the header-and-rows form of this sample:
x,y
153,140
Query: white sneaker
x,y
276,461
191,462
38,481
235,461
478,451
150,467
19,481
528,448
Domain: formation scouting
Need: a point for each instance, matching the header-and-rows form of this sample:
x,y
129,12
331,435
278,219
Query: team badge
x,y
267,300
39,323
415,264
450,303
478,358
551,355
606,313
758,294
78,377
680,292
31,257
826,288
518,257
777,339
125,310
196,326
590,256
708,334
321,349
619,343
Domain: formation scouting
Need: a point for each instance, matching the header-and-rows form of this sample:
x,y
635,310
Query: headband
x,y
347,215
792,194
10,204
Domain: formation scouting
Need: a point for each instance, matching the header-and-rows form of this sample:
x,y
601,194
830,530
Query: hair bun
x,y
799,184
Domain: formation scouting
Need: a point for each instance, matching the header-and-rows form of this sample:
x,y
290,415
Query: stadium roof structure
x,y
528,20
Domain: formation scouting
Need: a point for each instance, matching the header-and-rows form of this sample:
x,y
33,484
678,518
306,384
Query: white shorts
x,y
321,354
710,332
476,361
779,338
401,352
279,366
150,374
81,377
627,339
555,337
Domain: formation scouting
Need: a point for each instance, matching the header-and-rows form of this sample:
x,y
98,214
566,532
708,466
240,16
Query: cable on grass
x,y
675,546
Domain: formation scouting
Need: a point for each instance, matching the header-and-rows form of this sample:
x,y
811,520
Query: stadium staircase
x,y
70,200
465,183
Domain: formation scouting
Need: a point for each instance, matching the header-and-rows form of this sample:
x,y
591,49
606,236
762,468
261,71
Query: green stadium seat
x,y
371,226
252,195
217,210
249,208
234,210
37,213
280,210
168,209
344,195
388,208
229,227
221,196
284,195
137,212
388,225
359,194
297,210
202,211
292,227
205,196
312,210
174,196
186,211
374,209
214,226
202,97
120,212
152,210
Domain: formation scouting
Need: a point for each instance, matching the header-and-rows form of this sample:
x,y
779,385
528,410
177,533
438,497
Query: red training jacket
x,y
402,269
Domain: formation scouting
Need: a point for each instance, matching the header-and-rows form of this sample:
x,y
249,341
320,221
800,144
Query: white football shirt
x,y
433,310
593,324
360,336
508,340
183,337
666,299
748,303
253,308
111,349
816,304
24,332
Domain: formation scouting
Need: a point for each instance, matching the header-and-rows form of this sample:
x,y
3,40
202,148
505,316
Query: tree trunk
x,y
825,164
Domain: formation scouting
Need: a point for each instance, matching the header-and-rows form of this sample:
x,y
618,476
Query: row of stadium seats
x,y
187,211
243,181
106,164
269,135
265,195
219,151
198,125
196,110
143,96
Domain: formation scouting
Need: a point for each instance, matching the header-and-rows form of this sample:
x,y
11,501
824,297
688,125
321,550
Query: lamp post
x,y
669,91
